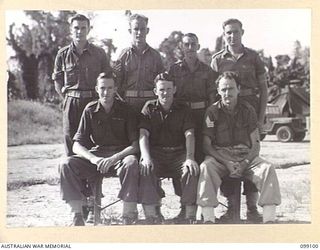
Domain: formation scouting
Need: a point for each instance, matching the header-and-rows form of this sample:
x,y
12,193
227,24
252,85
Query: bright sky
x,y
273,30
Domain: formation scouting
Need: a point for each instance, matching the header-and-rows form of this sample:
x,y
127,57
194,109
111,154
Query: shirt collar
x,y
87,47
236,109
100,107
174,106
226,51
184,64
134,49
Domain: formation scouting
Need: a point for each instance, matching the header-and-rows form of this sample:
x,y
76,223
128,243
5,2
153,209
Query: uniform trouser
x,y
75,168
260,172
72,111
227,186
198,115
167,164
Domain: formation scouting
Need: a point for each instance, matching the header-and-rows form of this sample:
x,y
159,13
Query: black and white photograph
x,y
130,118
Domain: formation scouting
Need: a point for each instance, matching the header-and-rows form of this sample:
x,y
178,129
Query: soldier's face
x,y
190,46
138,30
228,90
79,31
165,91
233,34
106,90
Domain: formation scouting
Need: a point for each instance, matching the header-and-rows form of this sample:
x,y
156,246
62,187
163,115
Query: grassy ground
x,y
33,123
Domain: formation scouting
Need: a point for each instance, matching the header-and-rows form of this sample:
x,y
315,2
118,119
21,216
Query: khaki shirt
x,y
167,128
79,72
249,66
136,71
117,128
227,130
196,86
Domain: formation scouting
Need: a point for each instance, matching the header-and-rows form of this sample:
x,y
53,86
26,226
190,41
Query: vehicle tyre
x,y
284,134
299,136
262,136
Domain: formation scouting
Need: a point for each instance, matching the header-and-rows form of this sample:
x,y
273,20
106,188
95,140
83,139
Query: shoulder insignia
x,y
209,123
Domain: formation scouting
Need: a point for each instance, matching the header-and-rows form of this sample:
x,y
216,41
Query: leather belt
x,y
142,93
197,105
171,148
81,93
247,92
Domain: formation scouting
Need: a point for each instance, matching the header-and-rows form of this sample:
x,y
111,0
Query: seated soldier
x,y
167,150
111,126
231,144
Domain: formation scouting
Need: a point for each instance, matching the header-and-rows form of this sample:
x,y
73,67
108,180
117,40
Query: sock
x,y
208,214
269,213
252,199
191,211
129,209
76,206
149,210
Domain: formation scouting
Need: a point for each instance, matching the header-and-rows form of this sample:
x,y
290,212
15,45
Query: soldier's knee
x,y
64,164
203,167
131,163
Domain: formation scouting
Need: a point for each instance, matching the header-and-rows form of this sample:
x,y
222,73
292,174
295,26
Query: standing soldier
x,y
138,65
167,150
253,83
195,86
76,69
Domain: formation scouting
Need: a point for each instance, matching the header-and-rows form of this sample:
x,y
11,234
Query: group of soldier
x,y
196,124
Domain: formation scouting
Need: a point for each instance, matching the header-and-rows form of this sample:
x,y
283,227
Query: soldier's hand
x,y
146,166
232,166
145,111
105,164
192,166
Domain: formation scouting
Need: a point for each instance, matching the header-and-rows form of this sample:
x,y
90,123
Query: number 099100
x,y
309,246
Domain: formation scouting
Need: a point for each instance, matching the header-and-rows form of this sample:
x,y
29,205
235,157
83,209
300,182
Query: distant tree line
x,y
36,45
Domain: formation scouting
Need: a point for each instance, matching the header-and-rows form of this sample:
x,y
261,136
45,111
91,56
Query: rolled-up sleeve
x,y
188,122
84,130
58,74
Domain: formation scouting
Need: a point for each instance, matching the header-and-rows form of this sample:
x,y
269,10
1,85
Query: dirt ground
x,y
33,196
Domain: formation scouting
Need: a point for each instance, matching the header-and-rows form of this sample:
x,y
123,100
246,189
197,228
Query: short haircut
x,y
231,21
80,17
191,35
138,17
104,75
229,75
163,77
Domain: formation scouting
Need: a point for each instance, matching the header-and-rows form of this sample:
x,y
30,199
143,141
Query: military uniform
x,y
231,133
78,74
110,134
135,74
168,152
249,66
197,89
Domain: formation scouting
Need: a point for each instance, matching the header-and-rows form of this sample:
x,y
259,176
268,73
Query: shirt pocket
x,y
119,128
150,72
241,133
98,131
200,84
222,135
71,74
247,75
